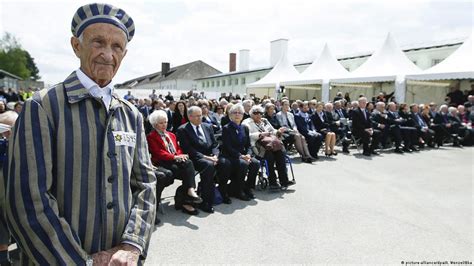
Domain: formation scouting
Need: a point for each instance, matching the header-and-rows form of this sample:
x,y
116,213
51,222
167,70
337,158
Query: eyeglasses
x,y
257,113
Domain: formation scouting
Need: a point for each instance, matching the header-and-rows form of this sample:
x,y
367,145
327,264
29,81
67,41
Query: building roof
x,y
10,74
459,65
190,71
405,48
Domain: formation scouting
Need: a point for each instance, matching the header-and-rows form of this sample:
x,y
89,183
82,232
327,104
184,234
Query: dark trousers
x,y
440,133
314,144
409,136
369,142
183,171
239,169
427,135
207,171
276,158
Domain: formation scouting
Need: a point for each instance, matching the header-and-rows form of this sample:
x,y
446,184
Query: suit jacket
x,y
274,121
359,122
392,116
158,150
343,111
416,123
377,118
177,120
283,120
231,146
441,119
213,122
193,145
319,124
303,124
86,183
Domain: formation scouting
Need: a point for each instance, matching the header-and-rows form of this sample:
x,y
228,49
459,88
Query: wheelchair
x,y
263,182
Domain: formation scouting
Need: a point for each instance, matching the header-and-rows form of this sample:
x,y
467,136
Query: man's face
x,y
196,117
380,107
102,49
392,107
362,103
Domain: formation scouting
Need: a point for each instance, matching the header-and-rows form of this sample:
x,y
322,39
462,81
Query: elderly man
x,y
81,189
362,128
198,141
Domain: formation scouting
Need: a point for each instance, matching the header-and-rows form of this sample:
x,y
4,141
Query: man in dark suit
x,y
379,120
423,130
306,128
362,128
447,126
408,133
198,141
336,125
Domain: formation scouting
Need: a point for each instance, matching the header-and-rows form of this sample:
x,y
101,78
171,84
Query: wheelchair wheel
x,y
263,183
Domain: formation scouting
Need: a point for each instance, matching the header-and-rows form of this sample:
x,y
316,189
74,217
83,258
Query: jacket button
x,y
111,154
110,179
110,205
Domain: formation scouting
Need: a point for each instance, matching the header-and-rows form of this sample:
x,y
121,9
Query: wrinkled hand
x,y
246,157
123,254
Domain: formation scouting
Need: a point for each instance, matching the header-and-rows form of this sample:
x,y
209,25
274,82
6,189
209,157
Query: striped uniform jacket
x,y
79,178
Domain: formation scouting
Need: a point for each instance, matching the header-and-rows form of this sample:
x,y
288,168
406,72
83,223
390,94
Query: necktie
x,y
199,134
420,121
341,115
365,115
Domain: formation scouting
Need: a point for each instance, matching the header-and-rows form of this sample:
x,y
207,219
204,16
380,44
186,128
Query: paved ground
x,y
386,209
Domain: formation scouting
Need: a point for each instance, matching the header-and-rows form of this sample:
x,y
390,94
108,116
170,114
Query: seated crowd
x,y
226,141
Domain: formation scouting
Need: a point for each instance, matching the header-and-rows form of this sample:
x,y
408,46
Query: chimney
x,y
277,49
244,59
165,68
232,62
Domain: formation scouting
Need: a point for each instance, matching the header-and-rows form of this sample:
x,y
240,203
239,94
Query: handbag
x,y
271,143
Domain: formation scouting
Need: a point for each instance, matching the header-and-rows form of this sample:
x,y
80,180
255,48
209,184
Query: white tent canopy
x,y
389,63
283,70
459,65
320,71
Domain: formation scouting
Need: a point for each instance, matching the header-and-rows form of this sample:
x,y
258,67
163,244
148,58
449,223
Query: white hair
x,y
255,109
452,109
236,107
157,116
193,109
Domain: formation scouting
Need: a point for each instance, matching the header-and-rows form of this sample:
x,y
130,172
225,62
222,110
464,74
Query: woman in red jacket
x,y
166,152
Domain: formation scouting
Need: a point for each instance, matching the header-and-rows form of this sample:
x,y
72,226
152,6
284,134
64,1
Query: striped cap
x,y
102,13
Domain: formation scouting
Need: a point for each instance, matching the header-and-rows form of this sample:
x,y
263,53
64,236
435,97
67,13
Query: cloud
x,y
184,31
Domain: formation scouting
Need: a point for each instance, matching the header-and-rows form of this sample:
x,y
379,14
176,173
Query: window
x,y
230,82
203,84
236,81
218,83
207,84
435,61
257,79
242,81
223,83
212,83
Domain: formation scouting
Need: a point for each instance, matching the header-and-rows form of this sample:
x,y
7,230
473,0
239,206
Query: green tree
x,y
16,60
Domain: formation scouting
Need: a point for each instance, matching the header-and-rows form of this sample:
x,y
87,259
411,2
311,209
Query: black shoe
x,y
334,153
366,153
226,200
374,153
289,183
242,196
206,207
345,150
190,199
249,193
274,186
414,148
194,212
406,149
157,220
398,150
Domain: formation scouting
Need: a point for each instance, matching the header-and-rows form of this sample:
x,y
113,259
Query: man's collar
x,y
76,91
89,84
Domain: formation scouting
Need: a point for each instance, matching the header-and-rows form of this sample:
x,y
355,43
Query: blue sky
x,y
183,31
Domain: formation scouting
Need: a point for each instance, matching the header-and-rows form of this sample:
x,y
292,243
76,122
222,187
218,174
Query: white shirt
x,y
105,93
